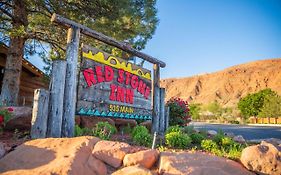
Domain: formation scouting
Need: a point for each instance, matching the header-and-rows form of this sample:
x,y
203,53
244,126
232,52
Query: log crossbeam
x,y
108,40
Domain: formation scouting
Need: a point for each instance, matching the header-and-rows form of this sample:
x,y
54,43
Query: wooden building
x,y
31,78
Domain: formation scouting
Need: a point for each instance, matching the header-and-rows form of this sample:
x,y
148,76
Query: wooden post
x,y
156,99
56,98
40,114
68,119
167,117
162,120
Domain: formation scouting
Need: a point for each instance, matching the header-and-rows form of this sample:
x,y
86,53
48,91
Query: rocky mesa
x,y
227,86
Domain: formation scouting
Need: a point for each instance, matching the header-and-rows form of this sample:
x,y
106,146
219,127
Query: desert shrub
x,y
195,110
226,142
234,122
104,130
197,138
235,151
177,140
138,129
82,131
209,145
141,136
127,129
218,138
174,128
226,147
78,131
188,129
179,112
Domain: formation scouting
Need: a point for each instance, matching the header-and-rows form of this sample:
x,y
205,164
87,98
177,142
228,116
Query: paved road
x,y
248,132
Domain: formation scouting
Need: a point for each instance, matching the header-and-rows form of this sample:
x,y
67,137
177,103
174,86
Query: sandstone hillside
x,y
229,85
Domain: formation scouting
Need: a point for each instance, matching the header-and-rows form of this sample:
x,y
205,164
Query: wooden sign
x,y
112,87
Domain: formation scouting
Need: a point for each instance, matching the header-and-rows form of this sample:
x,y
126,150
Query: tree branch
x,y
6,13
38,36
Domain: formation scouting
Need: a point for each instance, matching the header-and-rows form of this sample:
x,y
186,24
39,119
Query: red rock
x,y
263,158
90,122
51,156
133,170
239,139
198,163
147,124
111,152
2,150
77,120
97,165
119,123
146,158
21,118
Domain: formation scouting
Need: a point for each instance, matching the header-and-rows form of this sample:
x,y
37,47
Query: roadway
x,y
247,131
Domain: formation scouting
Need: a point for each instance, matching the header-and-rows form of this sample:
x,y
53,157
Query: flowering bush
x,y
179,112
104,130
5,116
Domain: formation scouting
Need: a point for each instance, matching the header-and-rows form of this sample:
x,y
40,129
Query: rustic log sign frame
x,y
133,98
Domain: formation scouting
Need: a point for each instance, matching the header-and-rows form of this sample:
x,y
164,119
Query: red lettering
x,y
130,96
120,78
141,88
147,92
128,75
112,96
109,74
99,74
134,82
120,94
89,77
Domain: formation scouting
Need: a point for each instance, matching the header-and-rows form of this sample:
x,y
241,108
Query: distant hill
x,y
229,85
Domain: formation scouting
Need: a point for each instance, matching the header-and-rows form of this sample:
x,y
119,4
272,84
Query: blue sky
x,y
200,36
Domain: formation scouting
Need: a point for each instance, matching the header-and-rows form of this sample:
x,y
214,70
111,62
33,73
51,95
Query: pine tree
x,y
25,24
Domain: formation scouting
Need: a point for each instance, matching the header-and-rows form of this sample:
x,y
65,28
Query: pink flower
x,y
10,109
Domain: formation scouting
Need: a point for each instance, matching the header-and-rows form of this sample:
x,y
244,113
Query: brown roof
x,y
26,64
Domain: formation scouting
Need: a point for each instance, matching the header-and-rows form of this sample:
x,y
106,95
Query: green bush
x,y
235,151
188,129
82,131
226,147
234,122
141,136
139,129
209,145
104,130
177,140
218,138
197,138
226,142
174,128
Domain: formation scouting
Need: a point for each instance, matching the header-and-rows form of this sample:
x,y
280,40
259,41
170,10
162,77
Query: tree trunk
x,y
11,80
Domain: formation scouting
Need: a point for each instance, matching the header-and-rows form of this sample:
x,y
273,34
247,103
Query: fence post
x,y
39,114
167,117
162,120
56,98
156,98
72,49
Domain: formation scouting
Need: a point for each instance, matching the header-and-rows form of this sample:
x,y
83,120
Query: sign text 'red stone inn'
x,y
112,87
